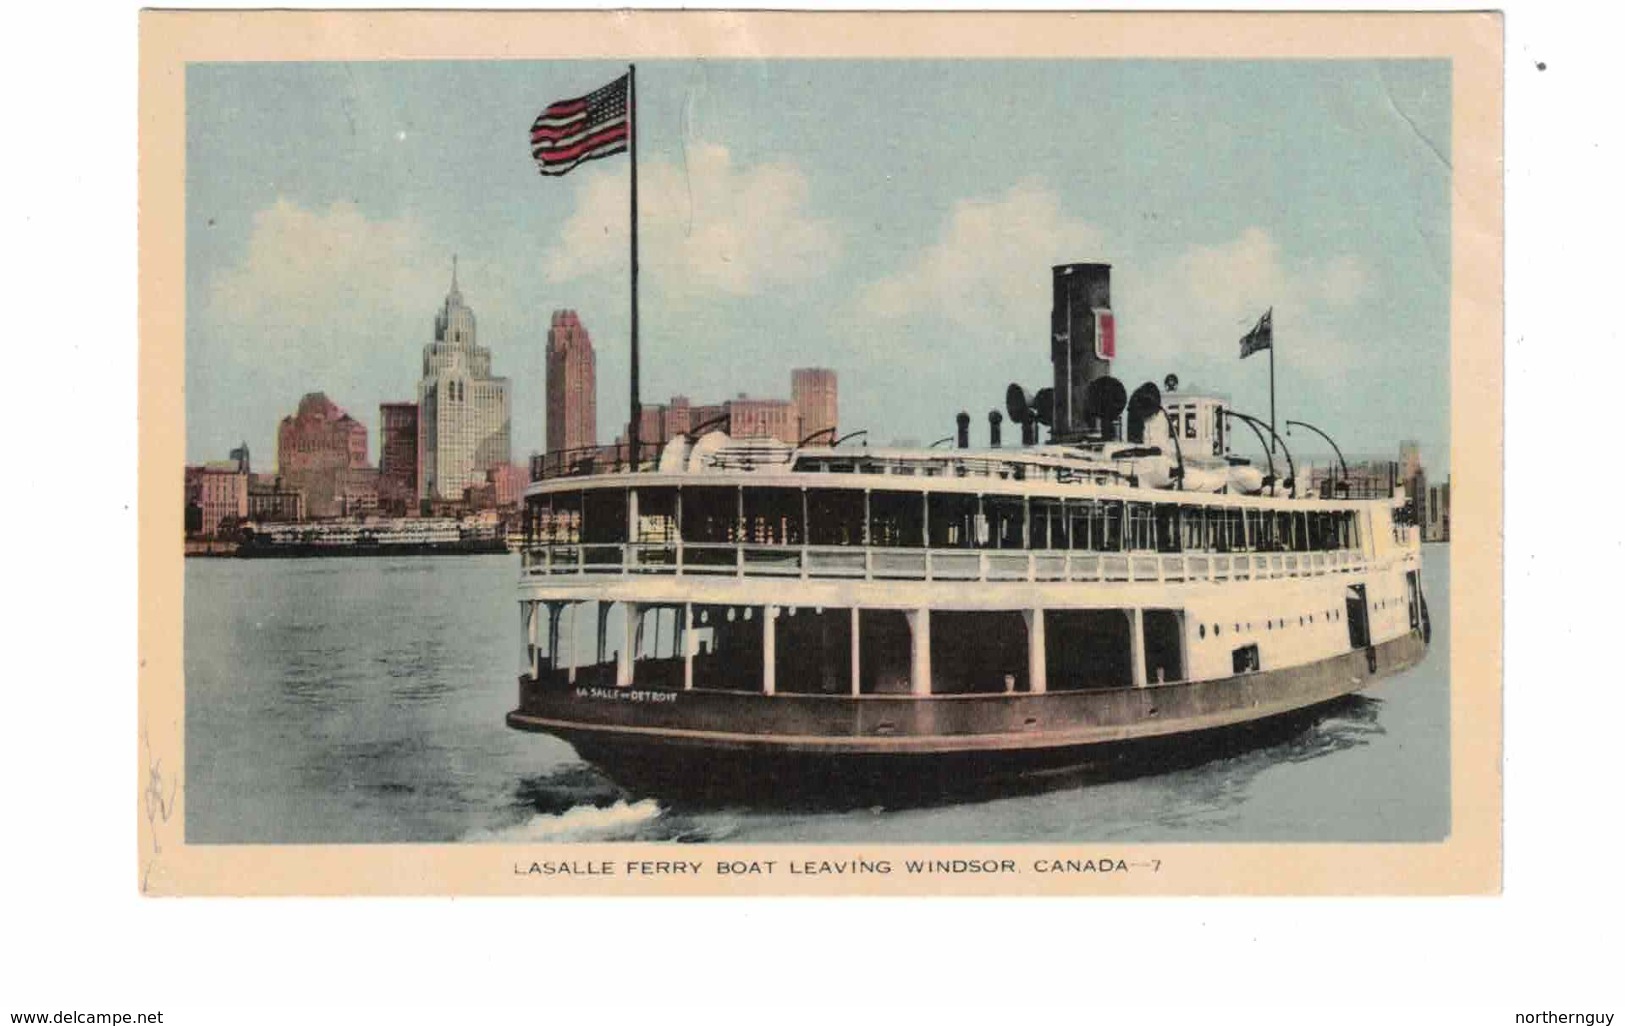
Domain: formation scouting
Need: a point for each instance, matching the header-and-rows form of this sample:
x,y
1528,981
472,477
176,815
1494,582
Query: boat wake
x,y
621,821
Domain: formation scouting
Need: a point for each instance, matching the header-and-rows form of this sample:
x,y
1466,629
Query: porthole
x,y
1201,630
732,612
1216,630
748,612
1270,626
1237,627
1300,621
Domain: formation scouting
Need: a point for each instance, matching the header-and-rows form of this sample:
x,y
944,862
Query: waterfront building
x,y
463,410
358,492
216,495
272,500
398,468
811,408
503,487
572,384
316,447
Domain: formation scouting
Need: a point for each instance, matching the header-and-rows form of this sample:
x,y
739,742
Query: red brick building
x,y
316,449
812,408
813,391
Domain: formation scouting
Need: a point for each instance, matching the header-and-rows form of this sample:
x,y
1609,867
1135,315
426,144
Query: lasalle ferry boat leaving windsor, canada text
x,y
739,615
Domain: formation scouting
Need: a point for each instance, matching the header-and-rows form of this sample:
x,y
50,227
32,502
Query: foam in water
x,y
579,823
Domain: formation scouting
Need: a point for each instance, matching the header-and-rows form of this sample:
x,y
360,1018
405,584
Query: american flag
x,y
571,132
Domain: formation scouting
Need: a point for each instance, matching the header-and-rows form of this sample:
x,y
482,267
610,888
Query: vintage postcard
x,y
700,453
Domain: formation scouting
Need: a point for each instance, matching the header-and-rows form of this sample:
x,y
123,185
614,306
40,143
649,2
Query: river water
x,y
362,700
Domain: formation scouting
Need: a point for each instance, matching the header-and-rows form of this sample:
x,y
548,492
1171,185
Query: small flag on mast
x,y
1261,337
571,132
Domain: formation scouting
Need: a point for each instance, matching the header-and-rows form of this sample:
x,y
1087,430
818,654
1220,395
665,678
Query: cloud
x,y
322,270
990,267
705,226
1197,304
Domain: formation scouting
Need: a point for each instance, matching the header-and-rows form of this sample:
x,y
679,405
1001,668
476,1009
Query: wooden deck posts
x,y
1136,631
1037,662
919,626
688,646
770,647
856,665
623,665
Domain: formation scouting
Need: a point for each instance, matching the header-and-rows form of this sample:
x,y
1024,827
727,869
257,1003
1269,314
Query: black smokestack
x,y
963,420
994,419
1082,342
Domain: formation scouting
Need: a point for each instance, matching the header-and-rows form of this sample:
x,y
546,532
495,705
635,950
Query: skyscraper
x,y
812,390
463,412
398,456
572,384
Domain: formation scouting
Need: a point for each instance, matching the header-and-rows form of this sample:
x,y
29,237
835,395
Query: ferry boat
x,y
729,615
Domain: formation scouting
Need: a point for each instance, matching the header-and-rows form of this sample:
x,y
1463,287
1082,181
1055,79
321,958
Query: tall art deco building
x,y
572,386
463,412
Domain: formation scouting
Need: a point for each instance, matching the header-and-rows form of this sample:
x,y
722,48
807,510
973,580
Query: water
x,y
362,700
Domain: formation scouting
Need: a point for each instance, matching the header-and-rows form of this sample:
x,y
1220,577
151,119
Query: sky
x,y
894,220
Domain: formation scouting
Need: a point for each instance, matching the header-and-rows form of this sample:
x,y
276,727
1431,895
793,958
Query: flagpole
x,y
1272,383
635,429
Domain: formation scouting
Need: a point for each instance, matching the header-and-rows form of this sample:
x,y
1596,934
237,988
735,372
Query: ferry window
x,y
1212,522
1080,514
565,522
1300,532
1191,521
1255,530
603,516
1190,423
1218,431
834,517
1141,528
895,519
773,516
1283,531
1005,516
952,520
1046,524
1235,532
1167,521
538,519
657,516
1106,531
711,515
1244,659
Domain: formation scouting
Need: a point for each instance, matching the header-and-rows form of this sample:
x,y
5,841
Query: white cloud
x,y
705,225
990,267
328,271
1200,302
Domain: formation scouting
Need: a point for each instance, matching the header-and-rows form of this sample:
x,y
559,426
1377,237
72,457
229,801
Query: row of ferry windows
x,y
792,516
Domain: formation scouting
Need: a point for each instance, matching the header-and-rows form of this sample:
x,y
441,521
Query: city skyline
x,y
920,278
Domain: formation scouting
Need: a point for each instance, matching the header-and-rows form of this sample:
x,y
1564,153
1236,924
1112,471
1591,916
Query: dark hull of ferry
x,y
798,750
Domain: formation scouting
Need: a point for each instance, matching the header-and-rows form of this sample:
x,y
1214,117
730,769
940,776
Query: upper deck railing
x,y
818,562
593,459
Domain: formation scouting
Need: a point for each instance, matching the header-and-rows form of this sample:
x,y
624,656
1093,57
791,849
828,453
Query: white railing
x,y
986,565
